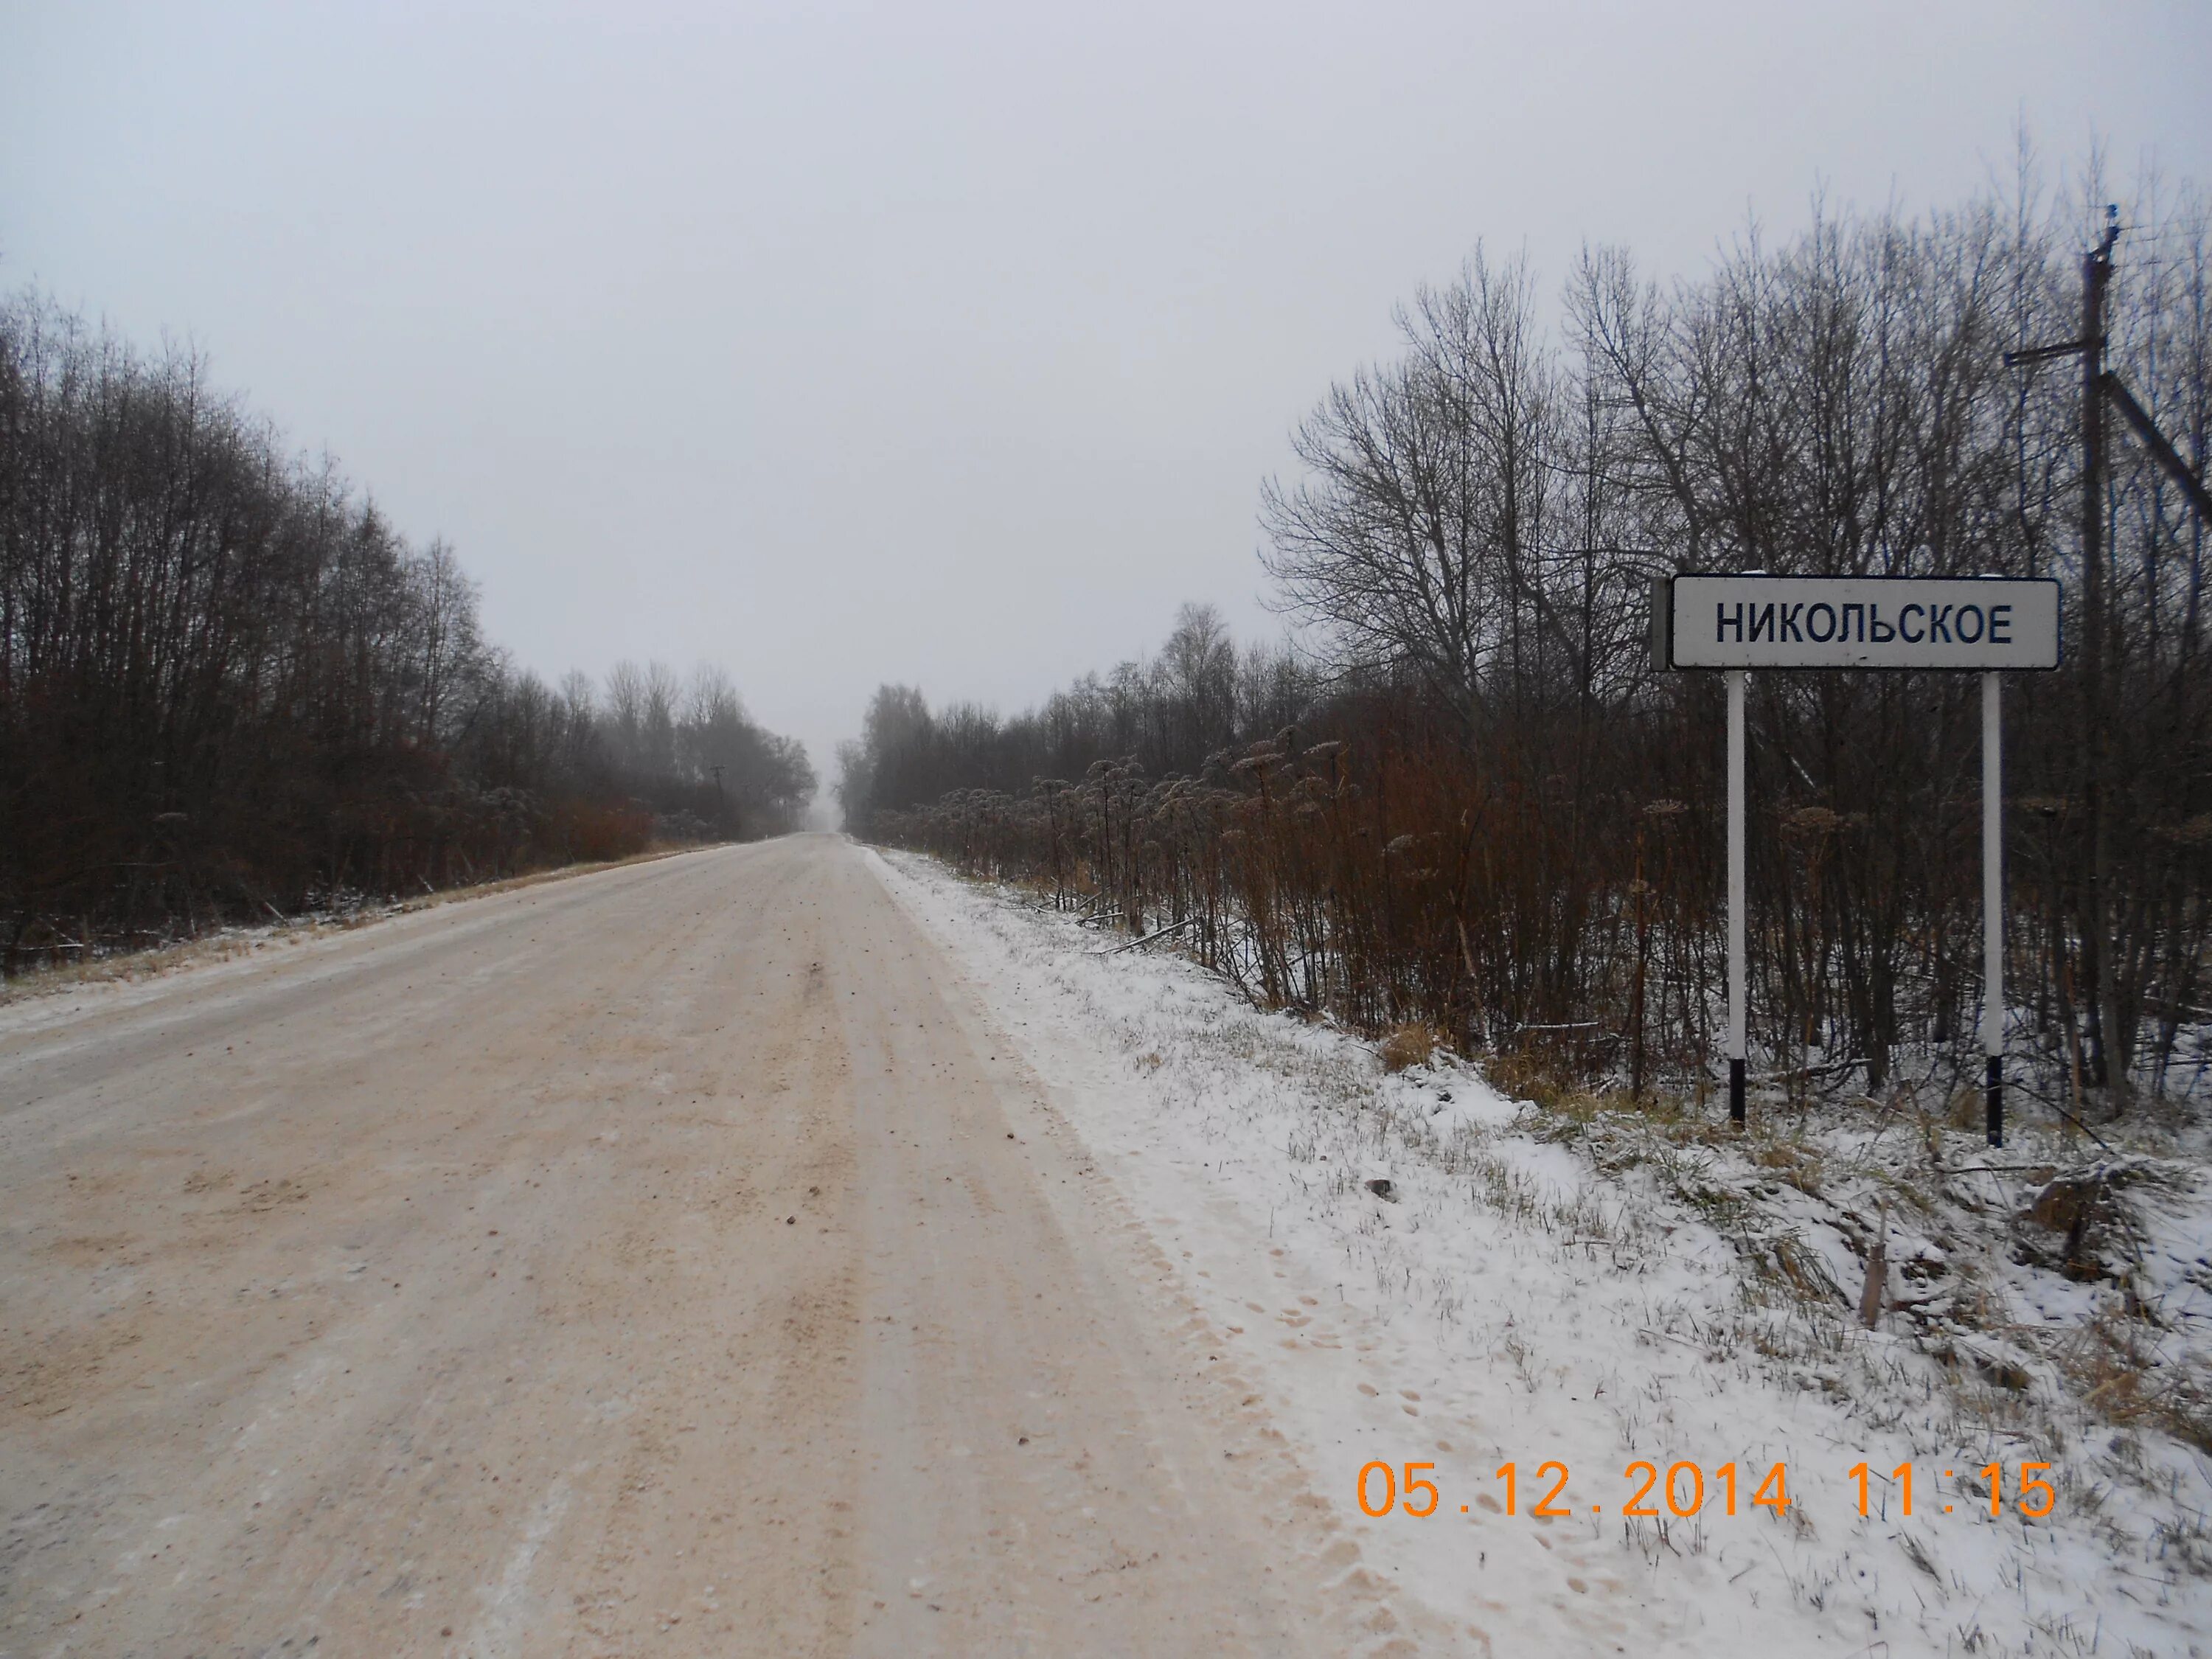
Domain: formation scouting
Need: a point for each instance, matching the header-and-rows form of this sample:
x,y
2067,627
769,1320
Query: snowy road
x,y
674,1259
787,1249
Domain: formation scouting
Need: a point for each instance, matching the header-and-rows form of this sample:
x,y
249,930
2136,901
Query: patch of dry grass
x,y
1408,1046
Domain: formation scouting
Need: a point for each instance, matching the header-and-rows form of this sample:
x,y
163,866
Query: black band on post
x,y
1997,1100
1735,1092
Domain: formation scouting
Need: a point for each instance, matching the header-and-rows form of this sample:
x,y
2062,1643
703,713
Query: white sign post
x,y
1984,624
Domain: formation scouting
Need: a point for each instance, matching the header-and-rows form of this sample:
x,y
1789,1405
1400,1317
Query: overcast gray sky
x,y
841,344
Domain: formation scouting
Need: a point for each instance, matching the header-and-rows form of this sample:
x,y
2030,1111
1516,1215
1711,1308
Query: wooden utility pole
x,y
2110,1054
2100,985
2106,1063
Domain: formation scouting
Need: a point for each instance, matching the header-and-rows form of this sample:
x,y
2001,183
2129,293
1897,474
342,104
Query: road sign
x,y
1981,623
1986,624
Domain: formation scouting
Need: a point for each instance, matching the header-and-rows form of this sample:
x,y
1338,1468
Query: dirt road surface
x,y
664,1261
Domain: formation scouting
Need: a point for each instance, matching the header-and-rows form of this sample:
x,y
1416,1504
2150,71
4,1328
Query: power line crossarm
x,y
2155,440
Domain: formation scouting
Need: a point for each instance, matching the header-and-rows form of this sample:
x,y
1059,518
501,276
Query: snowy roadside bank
x,y
48,996
1507,1302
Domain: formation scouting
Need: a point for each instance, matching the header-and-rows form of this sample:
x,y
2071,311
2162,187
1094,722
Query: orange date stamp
x,y
1685,1489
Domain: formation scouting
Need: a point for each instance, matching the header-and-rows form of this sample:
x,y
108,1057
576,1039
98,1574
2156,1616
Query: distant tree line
x,y
229,687
1174,711
1477,805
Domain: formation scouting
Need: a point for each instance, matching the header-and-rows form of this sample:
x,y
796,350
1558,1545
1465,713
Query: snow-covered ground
x,y
1515,1299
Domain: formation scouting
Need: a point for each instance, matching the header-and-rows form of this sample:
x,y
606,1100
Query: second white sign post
x,y
1984,624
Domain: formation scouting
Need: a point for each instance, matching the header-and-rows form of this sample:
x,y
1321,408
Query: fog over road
x,y
667,1260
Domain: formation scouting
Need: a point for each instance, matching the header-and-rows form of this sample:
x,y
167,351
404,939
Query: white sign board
x,y
1981,622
